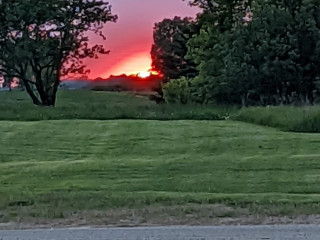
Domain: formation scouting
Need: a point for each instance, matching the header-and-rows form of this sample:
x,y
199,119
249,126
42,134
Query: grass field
x,y
51,169
95,157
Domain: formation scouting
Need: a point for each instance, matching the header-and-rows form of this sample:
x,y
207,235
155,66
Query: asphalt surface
x,y
284,232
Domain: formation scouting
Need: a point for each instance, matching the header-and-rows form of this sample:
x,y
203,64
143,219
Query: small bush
x,y
177,91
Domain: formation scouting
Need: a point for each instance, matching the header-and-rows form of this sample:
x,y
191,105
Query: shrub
x,y
177,91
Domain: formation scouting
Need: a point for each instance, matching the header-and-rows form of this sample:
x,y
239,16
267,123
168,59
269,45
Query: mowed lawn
x,y
48,168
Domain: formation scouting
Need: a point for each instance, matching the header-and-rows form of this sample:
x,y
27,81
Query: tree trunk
x,y
47,80
47,89
40,88
34,98
244,100
55,87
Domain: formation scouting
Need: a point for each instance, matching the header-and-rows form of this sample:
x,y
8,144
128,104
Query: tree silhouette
x,y
42,40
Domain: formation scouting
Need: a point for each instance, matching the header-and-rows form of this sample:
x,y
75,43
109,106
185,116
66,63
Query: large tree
x,y
43,40
210,46
267,55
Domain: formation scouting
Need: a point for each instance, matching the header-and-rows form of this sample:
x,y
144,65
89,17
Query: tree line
x,y
249,52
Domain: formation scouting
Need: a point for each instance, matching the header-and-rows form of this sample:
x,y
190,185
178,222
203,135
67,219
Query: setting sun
x,y
144,74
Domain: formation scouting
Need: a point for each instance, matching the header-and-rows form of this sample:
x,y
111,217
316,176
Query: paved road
x,y
286,232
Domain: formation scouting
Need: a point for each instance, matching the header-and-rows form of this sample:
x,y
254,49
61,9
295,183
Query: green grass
x,y
102,106
286,118
55,162
49,169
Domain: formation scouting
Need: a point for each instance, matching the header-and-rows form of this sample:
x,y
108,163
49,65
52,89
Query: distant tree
x,y
42,40
5,80
8,82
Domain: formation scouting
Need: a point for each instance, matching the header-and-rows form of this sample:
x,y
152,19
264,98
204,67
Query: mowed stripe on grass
x,y
49,167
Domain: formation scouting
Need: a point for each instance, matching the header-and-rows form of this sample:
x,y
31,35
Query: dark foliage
x,y
39,46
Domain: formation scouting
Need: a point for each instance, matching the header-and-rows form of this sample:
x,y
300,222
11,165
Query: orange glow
x,y
138,64
154,72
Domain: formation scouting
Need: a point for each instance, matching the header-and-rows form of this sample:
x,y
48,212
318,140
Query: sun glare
x,y
137,64
144,74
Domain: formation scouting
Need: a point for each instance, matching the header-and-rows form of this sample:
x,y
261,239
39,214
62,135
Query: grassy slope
x,y
52,167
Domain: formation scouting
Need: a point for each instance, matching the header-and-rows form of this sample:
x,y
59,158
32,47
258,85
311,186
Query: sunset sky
x,y
130,39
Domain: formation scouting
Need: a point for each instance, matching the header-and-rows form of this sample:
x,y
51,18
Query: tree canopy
x,y
43,40
255,52
170,47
